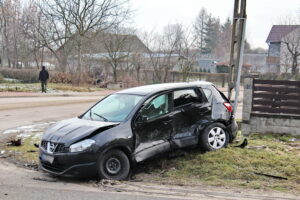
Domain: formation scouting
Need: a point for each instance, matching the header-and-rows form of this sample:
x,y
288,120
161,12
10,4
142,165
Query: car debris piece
x,y
44,179
257,147
15,142
32,151
244,144
36,145
271,176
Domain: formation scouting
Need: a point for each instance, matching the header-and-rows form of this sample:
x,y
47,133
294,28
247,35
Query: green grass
x,y
22,153
36,87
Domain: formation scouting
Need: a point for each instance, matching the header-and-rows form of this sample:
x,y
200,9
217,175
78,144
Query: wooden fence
x,y
274,96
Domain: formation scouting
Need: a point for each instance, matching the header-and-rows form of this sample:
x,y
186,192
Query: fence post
x,y
247,105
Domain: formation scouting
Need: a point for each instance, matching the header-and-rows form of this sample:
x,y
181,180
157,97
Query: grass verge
x,y
235,167
36,87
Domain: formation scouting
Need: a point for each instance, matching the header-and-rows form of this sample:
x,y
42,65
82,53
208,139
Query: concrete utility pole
x,y
237,49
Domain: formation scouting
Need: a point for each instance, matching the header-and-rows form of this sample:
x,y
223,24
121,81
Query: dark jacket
x,y
44,75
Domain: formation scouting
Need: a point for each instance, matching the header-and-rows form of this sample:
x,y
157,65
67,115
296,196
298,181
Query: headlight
x,y
81,146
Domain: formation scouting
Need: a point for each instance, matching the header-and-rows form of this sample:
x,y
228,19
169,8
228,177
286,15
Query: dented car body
x,y
135,124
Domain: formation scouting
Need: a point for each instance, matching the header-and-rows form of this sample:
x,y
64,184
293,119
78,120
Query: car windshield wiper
x,y
93,113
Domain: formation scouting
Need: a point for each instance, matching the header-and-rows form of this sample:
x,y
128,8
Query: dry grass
x,y
36,87
235,167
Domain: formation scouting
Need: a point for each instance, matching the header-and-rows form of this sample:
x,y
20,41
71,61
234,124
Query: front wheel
x,y
213,137
114,165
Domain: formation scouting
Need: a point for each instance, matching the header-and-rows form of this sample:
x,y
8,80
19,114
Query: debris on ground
x,y
32,166
45,179
178,153
105,182
243,145
271,176
36,145
15,142
257,147
32,151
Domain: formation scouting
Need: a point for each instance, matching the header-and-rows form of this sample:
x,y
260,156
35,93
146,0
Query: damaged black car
x,y
135,124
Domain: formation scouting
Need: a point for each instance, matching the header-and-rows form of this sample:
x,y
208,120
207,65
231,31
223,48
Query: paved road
x,y
16,112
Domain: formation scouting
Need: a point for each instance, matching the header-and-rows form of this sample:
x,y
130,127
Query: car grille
x,y
59,148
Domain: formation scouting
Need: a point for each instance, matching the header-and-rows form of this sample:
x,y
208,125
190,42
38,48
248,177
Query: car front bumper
x,y
81,164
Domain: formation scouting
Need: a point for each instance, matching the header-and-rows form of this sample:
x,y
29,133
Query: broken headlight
x,y
81,146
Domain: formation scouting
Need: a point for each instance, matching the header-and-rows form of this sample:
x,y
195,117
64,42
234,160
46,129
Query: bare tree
x,y
118,47
187,55
71,20
292,44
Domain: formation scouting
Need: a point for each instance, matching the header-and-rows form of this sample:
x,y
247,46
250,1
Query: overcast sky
x,y
262,14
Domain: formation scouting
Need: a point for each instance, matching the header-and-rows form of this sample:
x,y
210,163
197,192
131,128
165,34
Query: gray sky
x,y
262,14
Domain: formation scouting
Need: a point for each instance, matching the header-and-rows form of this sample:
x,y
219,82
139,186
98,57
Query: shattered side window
x,y
157,107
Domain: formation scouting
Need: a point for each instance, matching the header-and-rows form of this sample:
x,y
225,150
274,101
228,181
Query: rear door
x,y
153,127
190,107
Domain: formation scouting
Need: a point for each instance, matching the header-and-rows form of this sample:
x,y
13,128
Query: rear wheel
x,y
213,137
114,165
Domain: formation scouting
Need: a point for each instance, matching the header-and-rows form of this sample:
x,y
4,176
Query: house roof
x,y
279,31
99,43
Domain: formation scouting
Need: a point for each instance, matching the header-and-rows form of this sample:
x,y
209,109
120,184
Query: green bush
x,y
23,75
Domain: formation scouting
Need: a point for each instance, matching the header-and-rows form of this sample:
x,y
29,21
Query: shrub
x,y
23,75
60,77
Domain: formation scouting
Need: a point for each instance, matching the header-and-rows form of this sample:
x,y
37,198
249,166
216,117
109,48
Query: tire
x,y
213,137
113,165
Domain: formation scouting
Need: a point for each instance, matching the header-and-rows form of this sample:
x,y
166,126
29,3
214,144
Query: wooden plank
x,y
276,82
276,103
276,110
276,89
277,96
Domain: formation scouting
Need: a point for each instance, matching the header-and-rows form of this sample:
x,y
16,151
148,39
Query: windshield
x,y
114,108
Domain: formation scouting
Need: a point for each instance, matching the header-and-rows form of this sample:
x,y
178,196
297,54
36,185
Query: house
x,y
277,58
257,62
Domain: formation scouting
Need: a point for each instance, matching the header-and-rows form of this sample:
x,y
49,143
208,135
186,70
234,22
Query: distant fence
x,y
271,106
272,96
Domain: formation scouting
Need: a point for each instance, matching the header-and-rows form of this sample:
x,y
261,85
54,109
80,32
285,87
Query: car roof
x,y
154,88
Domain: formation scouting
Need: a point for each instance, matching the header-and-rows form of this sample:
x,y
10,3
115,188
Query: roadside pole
x,y
237,49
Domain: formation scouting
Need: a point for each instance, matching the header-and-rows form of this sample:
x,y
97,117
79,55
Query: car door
x,y
153,127
190,107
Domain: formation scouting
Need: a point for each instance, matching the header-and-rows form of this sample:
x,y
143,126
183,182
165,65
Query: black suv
x,y
135,124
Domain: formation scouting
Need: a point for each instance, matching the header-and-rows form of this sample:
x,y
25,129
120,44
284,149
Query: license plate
x,y
47,158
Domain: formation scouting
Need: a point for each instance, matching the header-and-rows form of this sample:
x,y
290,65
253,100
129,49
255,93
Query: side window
x,y
156,107
183,97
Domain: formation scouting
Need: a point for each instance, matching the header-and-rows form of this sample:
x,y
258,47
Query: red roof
x,y
279,31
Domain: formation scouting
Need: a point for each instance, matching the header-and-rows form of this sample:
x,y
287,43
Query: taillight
x,y
228,106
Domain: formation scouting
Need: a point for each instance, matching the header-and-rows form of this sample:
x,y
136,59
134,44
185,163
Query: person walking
x,y
43,77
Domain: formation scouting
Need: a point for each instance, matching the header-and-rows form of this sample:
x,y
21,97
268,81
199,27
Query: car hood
x,y
72,130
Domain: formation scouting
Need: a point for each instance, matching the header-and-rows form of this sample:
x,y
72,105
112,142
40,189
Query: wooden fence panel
x,y
276,96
